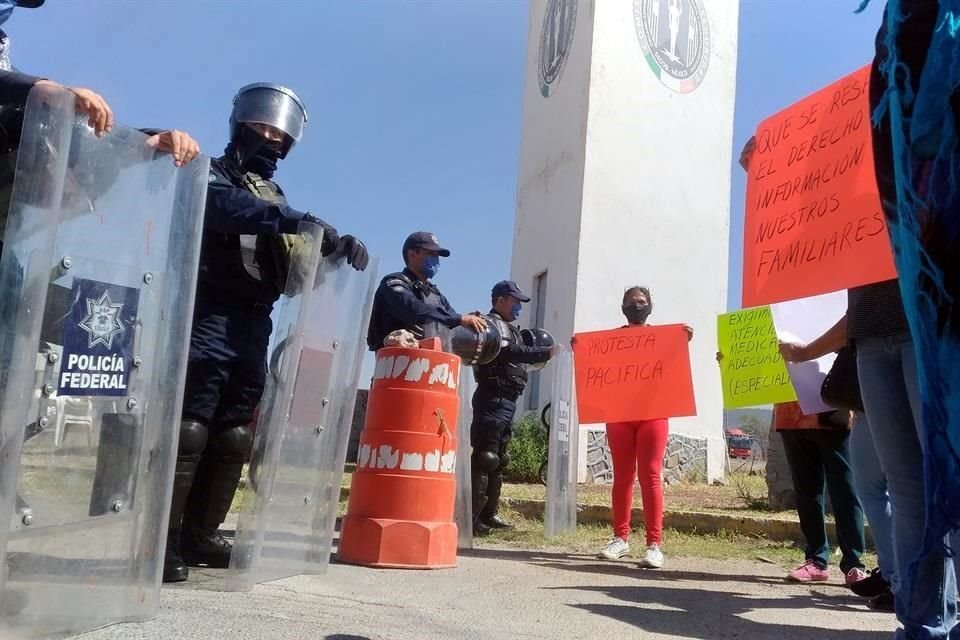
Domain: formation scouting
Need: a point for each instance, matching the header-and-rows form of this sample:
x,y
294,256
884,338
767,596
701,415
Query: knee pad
x,y
193,438
504,461
486,461
234,443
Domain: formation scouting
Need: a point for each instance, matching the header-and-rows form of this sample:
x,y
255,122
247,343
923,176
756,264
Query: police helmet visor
x,y
272,107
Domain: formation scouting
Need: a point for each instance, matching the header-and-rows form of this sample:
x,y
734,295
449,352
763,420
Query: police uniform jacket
x,y
403,301
238,261
506,374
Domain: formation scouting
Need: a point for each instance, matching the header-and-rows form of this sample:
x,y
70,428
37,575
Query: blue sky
x,y
415,107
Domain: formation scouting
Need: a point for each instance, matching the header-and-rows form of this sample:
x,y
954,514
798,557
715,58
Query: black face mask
x,y
255,153
636,312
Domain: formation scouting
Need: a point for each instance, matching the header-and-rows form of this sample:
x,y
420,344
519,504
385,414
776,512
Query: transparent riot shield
x,y
289,506
97,279
561,508
463,511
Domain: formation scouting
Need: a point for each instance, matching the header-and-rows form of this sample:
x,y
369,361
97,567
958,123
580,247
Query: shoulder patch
x,y
212,177
395,283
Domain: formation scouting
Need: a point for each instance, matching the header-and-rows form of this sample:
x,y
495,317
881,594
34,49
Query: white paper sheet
x,y
804,321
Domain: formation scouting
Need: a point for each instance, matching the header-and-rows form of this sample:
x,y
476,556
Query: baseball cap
x,y
424,240
508,288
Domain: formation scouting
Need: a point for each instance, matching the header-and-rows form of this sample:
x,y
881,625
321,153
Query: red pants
x,y
638,447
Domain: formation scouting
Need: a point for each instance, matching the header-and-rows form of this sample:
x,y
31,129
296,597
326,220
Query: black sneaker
x,y
883,602
480,529
872,586
496,522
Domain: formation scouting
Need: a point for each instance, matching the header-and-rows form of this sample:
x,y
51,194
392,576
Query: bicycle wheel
x,y
544,418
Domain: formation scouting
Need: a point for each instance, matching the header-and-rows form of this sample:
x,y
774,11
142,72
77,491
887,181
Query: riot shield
x,y
561,508
97,280
463,512
289,506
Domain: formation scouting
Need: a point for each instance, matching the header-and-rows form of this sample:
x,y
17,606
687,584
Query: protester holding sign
x,y
637,446
869,481
818,451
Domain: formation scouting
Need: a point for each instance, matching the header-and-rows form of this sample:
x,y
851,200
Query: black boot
x,y
174,568
211,497
496,522
207,507
480,529
489,515
206,547
478,487
193,437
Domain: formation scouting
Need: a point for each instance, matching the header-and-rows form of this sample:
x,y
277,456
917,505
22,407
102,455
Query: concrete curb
x,y
689,521
684,521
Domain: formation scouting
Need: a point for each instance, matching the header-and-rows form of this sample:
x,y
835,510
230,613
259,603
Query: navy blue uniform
x,y
499,384
403,301
226,372
239,281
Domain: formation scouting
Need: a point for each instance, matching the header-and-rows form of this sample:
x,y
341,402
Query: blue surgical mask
x,y
515,310
6,8
431,265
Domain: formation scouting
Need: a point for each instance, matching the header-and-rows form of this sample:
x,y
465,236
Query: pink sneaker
x,y
809,572
854,576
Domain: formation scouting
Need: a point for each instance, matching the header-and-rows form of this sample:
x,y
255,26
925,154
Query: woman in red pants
x,y
636,449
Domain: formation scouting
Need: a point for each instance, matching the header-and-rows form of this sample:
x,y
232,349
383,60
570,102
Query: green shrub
x,y
527,449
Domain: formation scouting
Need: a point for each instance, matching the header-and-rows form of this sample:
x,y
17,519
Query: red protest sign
x,y
813,219
637,373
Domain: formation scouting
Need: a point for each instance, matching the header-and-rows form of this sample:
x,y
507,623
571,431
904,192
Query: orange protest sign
x,y
637,373
813,219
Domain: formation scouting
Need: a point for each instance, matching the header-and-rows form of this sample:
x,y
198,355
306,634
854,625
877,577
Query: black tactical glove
x,y
354,251
331,238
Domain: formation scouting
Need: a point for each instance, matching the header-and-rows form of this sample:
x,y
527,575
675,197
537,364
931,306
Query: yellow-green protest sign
x,y
751,367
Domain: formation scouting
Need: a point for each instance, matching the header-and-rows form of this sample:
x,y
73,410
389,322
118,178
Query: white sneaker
x,y
616,548
653,558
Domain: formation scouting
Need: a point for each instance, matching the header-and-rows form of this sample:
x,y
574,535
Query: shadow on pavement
x,y
702,615
696,613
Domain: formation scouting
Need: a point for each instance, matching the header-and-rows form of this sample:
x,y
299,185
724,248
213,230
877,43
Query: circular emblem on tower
x,y
556,39
675,37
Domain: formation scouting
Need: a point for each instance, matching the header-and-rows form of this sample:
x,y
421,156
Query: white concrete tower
x,y
624,175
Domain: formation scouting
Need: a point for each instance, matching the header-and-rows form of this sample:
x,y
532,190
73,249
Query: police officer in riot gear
x,y
408,300
499,384
249,233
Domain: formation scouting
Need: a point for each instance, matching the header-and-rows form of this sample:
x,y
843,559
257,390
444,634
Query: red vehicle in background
x,y
739,444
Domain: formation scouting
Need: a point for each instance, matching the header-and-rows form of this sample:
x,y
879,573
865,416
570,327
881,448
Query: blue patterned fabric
x,y
924,225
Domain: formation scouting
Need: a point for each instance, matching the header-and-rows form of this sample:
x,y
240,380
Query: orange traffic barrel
x,y
400,513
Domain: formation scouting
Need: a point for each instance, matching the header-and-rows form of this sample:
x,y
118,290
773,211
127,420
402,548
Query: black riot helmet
x,y
536,338
266,103
476,348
